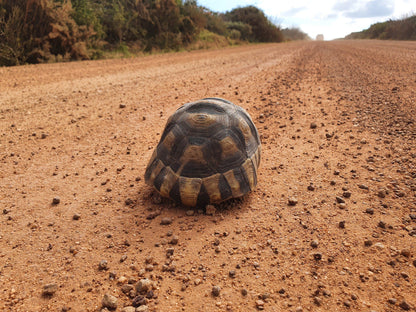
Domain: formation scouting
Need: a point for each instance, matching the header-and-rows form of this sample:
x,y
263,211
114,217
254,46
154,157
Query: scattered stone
x,y
317,256
129,202
313,125
369,211
216,291
292,201
144,285
76,216
109,301
231,273
414,263
260,304
382,224
190,212
174,240
170,251
210,210
368,242
56,201
379,245
341,224
317,301
127,288
381,193
139,301
311,187
314,243
166,221
122,106
103,265
347,303
340,200
363,186
392,300
49,289
346,194
142,308
404,305
406,253
128,309
244,292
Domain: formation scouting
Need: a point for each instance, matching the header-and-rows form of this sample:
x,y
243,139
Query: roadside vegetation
x,y
401,29
36,31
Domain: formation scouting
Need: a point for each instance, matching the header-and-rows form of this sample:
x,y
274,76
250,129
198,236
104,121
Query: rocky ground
x,y
331,226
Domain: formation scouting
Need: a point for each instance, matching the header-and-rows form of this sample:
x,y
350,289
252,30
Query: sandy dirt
x,y
338,128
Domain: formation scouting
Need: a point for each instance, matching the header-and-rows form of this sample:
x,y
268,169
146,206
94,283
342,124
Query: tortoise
x,y
209,152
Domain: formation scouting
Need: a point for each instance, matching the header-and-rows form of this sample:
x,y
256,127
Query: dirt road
x,y
338,129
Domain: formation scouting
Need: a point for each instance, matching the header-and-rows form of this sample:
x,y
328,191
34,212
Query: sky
x,y
332,18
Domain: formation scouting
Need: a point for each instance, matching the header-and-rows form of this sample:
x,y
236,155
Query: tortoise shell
x,y
209,152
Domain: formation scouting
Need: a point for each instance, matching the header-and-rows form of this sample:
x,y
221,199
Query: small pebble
x,y
314,243
311,188
49,289
244,292
103,265
216,291
109,301
144,285
142,308
317,256
404,305
76,216
406,253
166,221
190,212
138,301
317,301
260,304
347,303
56,201
346,194
128,309
382,224
341,224
313,125
122,106
340,200
292,201
174,240
231,274
368,242
392,300
379,245
369,211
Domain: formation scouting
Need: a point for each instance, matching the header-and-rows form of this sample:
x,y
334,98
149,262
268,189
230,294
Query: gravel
x,y
49,289
109,301
216,291
166,221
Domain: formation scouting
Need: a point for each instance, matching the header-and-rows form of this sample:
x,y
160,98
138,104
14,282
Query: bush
x,y
40,31
262,29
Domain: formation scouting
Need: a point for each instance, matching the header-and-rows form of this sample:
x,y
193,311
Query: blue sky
x,y
332,18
